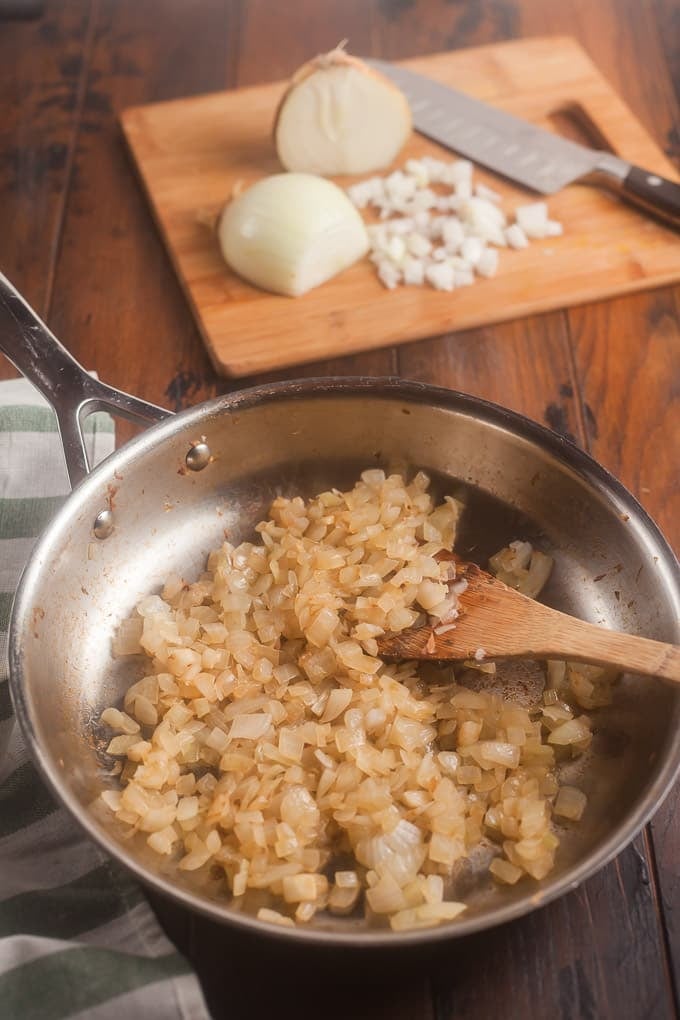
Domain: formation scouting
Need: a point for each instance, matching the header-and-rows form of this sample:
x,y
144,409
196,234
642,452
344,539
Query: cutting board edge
x,y
239,369
128,112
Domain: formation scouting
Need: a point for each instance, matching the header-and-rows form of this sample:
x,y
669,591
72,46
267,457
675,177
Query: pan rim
x,y
562,449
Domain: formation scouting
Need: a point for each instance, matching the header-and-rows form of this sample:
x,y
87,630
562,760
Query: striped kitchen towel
x,y
77,937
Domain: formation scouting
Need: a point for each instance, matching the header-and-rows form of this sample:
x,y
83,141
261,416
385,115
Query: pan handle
x,y
72,392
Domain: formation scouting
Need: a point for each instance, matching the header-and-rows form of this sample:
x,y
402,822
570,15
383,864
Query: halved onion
x,y
291,232
339,116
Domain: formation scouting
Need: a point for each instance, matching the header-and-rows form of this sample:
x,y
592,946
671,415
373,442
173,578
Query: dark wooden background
x,y
77,239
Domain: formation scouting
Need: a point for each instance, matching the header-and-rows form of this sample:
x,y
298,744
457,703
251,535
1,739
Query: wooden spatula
x,y
496,622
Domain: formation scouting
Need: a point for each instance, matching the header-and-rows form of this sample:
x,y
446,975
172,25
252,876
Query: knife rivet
x,y
653,180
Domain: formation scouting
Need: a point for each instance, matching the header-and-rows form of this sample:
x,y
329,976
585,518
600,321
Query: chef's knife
x,y
526,154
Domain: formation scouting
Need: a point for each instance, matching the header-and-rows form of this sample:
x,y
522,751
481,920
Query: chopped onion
x,y
532,218
571,732
516,237
339,116
274,917
570,803
297,888
343,899
443,240
540,568
119,721
505,871
250,727
299,745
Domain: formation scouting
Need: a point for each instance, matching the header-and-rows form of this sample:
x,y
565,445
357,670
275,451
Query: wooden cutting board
x,y
192,152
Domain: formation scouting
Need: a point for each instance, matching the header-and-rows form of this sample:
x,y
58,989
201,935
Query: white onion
x,y
532,218
291,232
339,116
516,237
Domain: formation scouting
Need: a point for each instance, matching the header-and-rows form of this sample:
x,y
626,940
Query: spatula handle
x,y
653,193
584,642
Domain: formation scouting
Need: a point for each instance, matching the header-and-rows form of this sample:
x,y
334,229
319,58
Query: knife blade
x,y
526,154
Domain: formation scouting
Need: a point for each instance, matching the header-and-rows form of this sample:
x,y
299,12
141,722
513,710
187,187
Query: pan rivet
x,y
103,524
198,456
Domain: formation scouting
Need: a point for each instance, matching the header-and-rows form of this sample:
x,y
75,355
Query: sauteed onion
x,y
270,745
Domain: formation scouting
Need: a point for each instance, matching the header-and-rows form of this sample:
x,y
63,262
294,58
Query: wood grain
x,y
117,305
192,153
498,622
530,365
44,64
635,334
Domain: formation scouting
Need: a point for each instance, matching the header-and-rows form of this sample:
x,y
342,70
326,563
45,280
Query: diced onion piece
x,y
516,237
338,701
339,116
195,859
400,853
322,627
305,911
163,840
138,751
274,917
556,671
499,753
445,850
504,871
187,809
385,897
120,745
120,721
291,232
443,911
441,276
240,883
111,798
297,888
346,879
533,219
540,568
342,900
488,262
250,727
570,803
571,732
425,916
145,711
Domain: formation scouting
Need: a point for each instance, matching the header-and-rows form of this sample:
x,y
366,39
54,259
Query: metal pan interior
x,y
517,481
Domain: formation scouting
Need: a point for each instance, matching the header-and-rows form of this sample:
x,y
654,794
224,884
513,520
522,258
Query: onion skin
x,y
335,60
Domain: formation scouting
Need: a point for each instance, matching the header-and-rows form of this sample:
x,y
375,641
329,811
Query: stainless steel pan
x,y
162,502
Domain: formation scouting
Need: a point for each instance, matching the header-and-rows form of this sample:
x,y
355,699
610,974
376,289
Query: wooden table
x,y
78,240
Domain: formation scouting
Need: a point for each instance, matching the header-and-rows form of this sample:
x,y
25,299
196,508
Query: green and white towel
x,y
77,937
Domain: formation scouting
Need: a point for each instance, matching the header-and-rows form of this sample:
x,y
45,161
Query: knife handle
x,y
653,193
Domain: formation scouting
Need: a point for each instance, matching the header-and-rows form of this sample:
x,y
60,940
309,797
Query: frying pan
x,y
162,502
